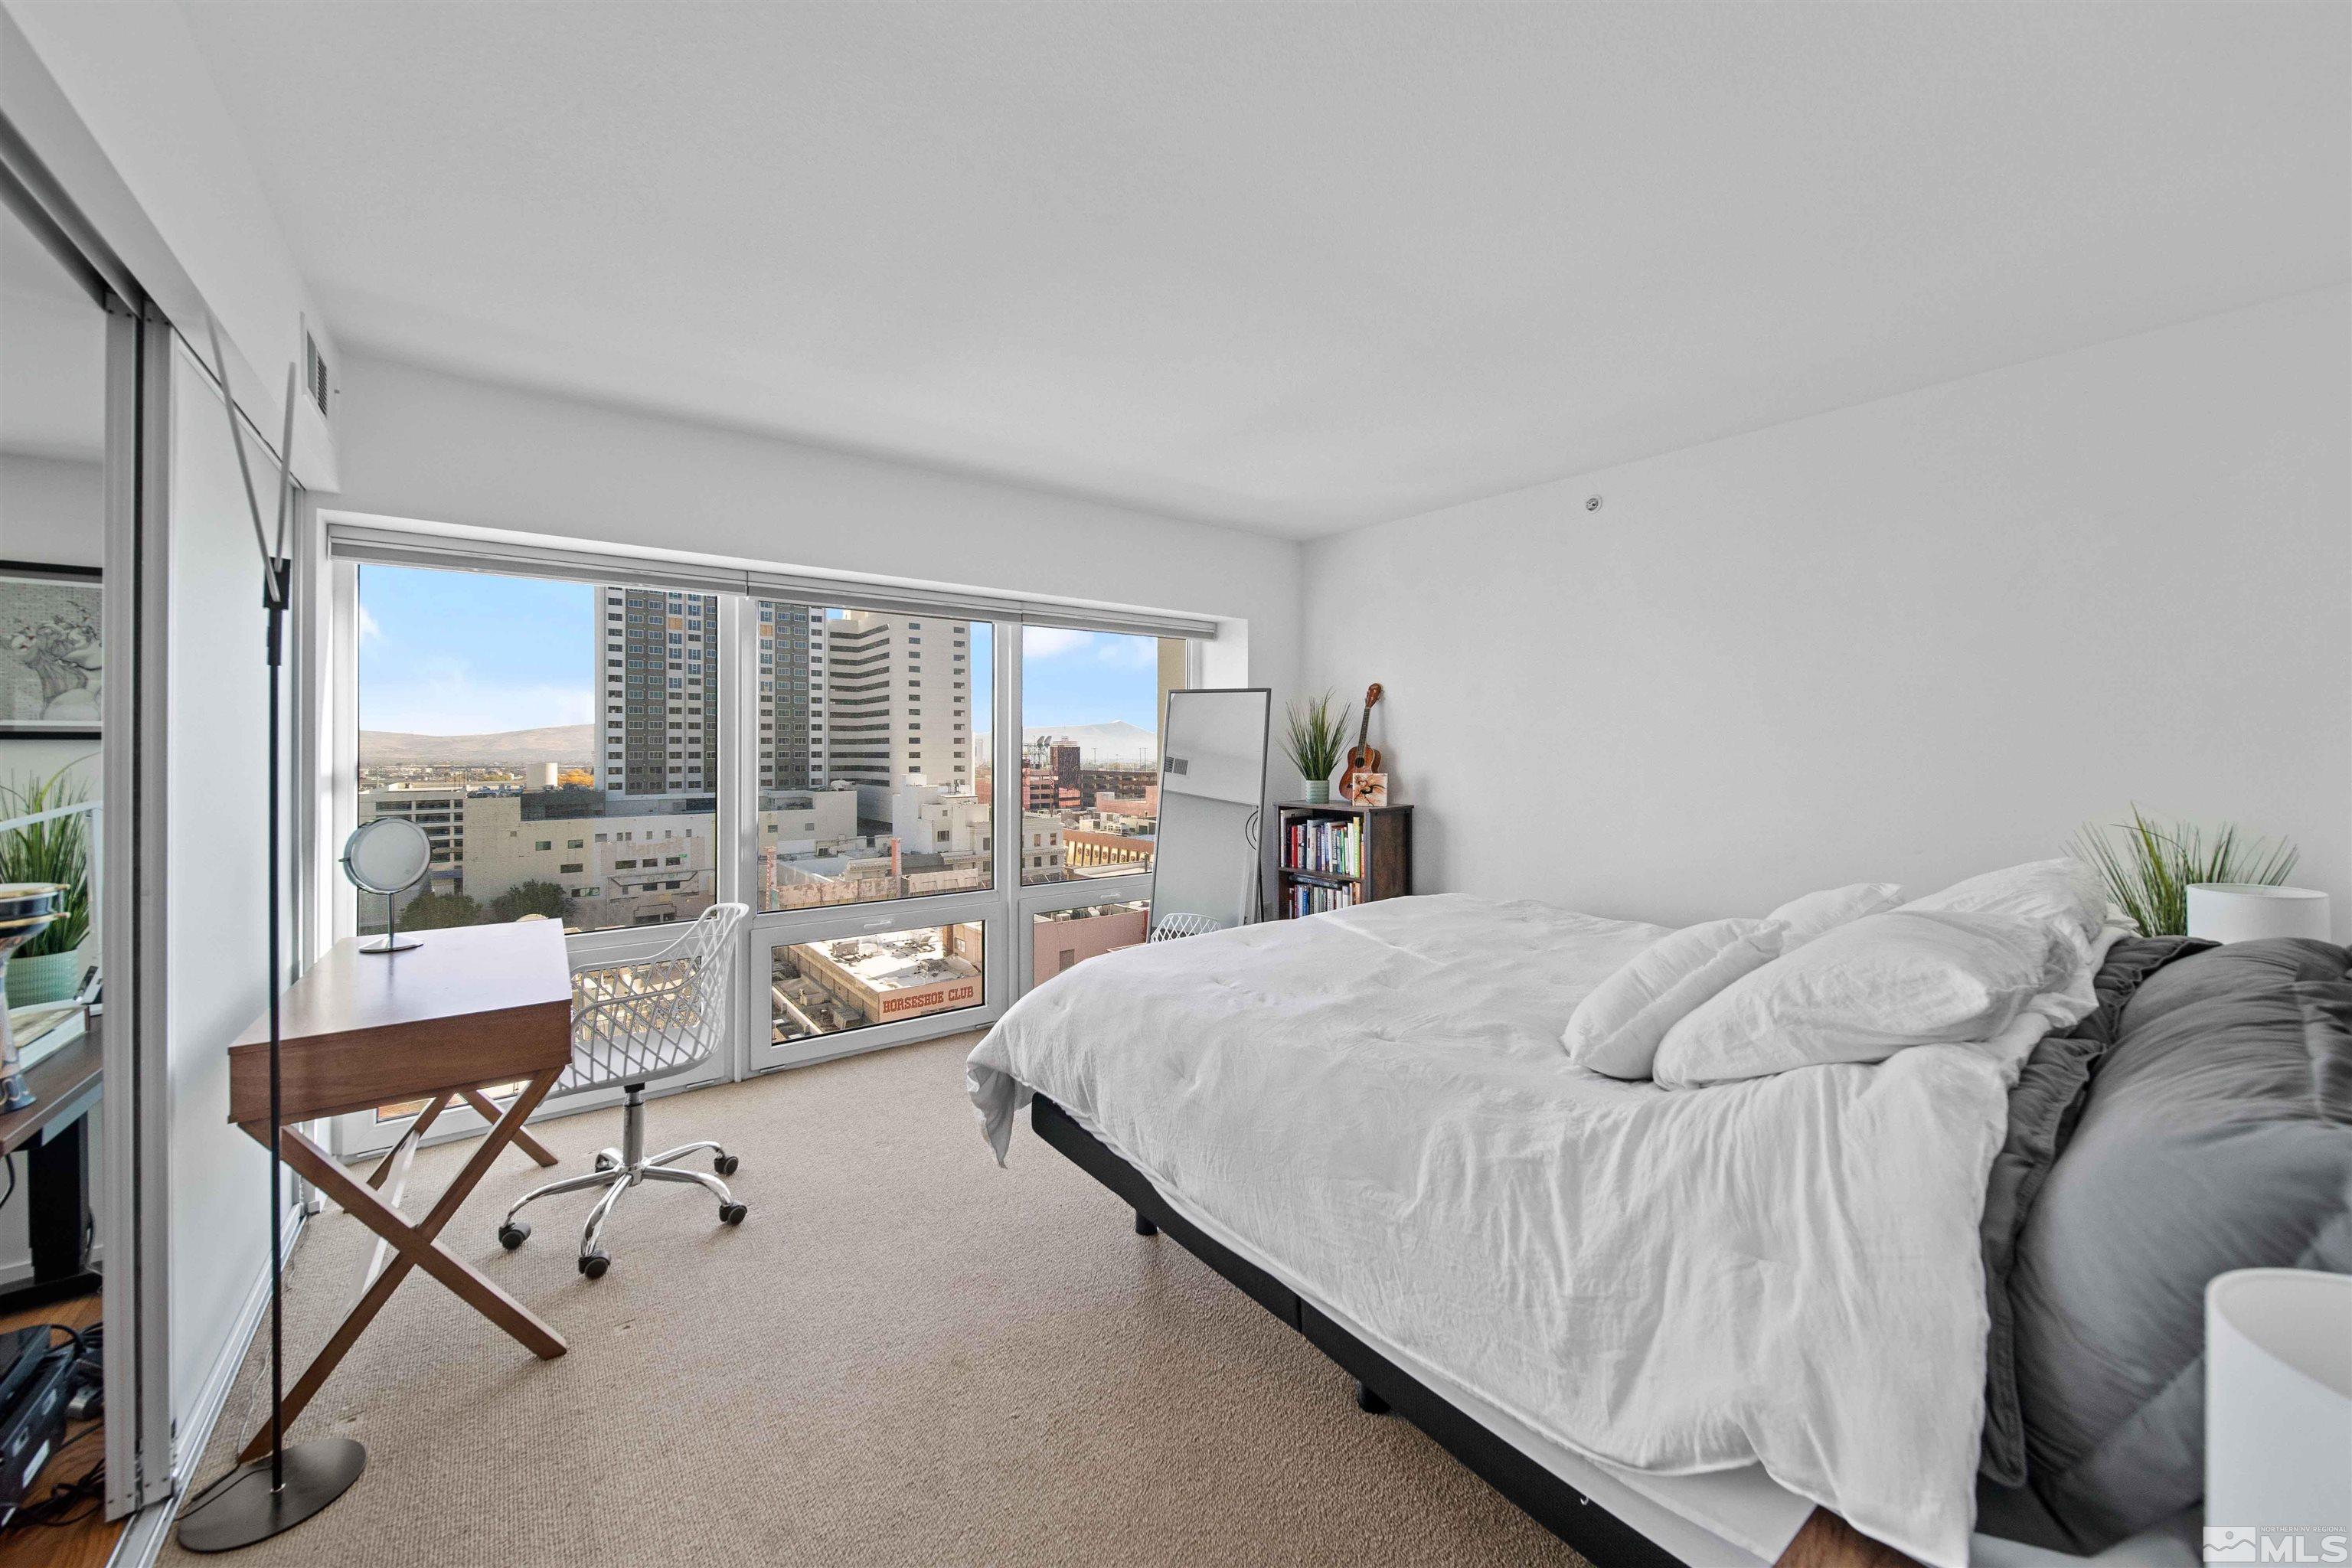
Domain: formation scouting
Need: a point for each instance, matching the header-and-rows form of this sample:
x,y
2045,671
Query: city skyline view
x,y
528,660
560,743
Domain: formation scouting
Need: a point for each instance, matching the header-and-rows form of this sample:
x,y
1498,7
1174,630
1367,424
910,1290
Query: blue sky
x,y
1069,678
465,653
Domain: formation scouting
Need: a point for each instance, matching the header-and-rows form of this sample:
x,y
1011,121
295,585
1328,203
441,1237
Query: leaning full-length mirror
x,y
1212,800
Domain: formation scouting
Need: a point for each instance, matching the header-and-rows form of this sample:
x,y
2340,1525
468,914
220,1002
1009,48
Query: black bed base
x,y
1551,1502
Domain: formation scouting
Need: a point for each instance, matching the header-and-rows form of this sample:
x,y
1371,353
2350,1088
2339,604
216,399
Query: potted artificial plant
x,y
47,968
2149,878
1313,740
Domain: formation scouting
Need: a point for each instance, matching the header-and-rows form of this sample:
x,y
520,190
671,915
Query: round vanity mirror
x,y
387,854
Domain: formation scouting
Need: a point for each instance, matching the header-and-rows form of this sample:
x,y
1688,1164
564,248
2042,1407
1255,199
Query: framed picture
x,y
52,663
1372,789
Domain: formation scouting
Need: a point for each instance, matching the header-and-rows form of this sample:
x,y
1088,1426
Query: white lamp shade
x,y
2242,911
2278,1400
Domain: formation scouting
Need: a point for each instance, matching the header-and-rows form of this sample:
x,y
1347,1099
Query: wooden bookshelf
x,y
1339,854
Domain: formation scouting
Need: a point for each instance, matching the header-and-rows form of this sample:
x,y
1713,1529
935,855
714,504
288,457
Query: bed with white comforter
x,y
1784,1271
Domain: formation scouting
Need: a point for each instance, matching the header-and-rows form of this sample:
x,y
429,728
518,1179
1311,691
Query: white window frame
x,y
1119,887
1004,911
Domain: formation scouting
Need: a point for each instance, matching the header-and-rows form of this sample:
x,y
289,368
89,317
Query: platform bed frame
x,y
1381,1386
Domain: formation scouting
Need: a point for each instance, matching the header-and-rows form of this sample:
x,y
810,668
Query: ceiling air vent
x,y
314,371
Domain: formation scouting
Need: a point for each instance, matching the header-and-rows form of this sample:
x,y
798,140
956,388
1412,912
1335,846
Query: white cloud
x,y
1052,642
1104,648
368,630
1128,652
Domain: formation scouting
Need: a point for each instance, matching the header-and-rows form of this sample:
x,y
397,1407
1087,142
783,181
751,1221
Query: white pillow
x,y
1863,992
2067,893
1810,916
1616,1030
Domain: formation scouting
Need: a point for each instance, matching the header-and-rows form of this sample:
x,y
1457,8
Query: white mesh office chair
x,y
631,1023
1174,928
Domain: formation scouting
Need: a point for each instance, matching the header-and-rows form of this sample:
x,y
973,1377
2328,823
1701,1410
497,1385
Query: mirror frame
x,y
364,830
1256,912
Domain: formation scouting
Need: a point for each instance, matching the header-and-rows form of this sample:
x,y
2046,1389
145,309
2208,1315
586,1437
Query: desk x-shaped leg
x,y
412,1245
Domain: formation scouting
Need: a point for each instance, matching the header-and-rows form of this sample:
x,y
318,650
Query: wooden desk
x,y
471,1007
54,1132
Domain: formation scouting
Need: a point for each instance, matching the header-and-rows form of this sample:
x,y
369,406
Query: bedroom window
x,y
782,756
832,987
483,701
1090,712
858,803
1060,939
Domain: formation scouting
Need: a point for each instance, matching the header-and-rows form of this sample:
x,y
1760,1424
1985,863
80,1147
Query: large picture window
x,y
875,780
1090,712
557,742
926,809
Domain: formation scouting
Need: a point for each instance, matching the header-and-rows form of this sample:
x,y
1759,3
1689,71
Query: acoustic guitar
x,y
1361,758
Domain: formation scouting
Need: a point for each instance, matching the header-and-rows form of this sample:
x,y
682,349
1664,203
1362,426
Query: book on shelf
x,y
1319,847
1307,899
45,1028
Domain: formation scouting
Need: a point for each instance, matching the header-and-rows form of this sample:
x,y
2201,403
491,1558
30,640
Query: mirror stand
x,y
391,941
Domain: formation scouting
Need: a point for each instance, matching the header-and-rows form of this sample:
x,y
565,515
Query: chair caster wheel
x,y
1368,1401
1144,1226
513,1234
593,1265
605,1162
725,1164
733,1214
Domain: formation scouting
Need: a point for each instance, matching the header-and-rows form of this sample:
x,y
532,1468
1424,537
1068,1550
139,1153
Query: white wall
x,y
216,933
1912,639
418,443
52,509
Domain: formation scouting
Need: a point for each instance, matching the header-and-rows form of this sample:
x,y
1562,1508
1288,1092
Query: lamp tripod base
x,y
239,1508
390,944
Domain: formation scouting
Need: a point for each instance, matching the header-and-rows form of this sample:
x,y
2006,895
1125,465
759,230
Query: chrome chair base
x,y
618,1170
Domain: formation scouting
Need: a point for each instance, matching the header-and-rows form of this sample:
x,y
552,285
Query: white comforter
x,y
1784,1271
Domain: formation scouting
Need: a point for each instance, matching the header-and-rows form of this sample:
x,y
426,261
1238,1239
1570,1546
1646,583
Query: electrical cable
x,y
56,1510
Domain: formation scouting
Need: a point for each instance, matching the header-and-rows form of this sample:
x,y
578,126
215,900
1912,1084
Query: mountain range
x,y
1117,741
506,747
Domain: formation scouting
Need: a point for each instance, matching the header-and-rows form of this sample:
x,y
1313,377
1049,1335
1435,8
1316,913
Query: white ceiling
x,y
1291,267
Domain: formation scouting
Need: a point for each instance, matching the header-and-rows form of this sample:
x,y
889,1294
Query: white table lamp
x,y
2278,1402
2242,911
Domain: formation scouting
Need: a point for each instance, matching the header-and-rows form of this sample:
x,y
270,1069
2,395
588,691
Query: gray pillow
x,y
2213,1137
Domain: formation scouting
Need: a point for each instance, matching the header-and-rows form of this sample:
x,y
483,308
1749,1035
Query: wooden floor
x,y
90,1542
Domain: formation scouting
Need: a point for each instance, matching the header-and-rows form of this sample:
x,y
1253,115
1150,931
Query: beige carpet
x,y
905,1356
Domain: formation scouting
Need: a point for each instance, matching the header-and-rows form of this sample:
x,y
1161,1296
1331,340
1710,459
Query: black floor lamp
x,y
268,1497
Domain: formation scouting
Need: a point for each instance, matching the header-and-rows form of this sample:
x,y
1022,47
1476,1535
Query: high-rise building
x,y
897,691
792,696
660,710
